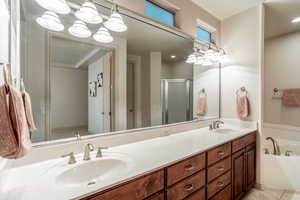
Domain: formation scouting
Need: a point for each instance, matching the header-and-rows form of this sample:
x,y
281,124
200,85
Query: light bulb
x,y
58,6
79,29
103,36
50,21
191,59
115,23
88,13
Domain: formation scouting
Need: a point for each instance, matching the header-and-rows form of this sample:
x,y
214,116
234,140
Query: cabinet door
x,y
250,157
238,174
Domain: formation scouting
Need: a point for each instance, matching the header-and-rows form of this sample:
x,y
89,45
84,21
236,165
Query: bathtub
x,y
282,172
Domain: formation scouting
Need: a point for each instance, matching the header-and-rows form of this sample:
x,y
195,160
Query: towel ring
x,y
241,90
203,92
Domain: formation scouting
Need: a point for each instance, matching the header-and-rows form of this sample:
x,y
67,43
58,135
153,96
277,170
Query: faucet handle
x,y
288,153
99,152
72,159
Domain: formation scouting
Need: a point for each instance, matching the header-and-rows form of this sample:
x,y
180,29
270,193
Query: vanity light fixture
x,y
115,21
296,20
80,29
103,36
191,59
50,21
88,13
57,6
206,62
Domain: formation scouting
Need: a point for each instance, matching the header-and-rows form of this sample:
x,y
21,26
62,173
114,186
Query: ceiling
x,y
278,16
225,8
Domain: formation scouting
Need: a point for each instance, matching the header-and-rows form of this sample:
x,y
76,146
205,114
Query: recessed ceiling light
x,y
296,20
173,56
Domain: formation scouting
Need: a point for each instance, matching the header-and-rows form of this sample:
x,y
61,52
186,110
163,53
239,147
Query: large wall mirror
x,y
141,79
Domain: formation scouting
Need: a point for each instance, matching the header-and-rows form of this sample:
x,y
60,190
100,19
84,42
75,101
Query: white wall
x,y
177,70
69,98
209,80
4,33
282,69
241,39
155,102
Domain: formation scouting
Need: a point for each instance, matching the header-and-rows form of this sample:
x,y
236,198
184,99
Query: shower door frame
x,y
164,98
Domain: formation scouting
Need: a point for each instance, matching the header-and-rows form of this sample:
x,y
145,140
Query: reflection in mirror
x,y
281,67
141,79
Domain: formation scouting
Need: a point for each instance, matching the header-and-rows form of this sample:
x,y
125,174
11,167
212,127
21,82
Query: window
x,y
204,35
160,14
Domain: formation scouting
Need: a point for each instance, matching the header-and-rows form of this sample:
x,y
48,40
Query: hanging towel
x,y
291,97
243,106
19,123
202,105
8,143
28,111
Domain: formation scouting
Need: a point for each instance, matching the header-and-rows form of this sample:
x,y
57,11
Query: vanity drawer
x,y
223,195
186,187
185,168
158,196
218,184
136,190
199,195
218,153
218,169
243,142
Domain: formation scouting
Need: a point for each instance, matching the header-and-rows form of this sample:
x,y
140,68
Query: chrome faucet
x,y
276,148
215,125
72,159
87,150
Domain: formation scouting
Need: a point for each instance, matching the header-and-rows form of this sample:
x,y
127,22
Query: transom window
x,y
204,35
160,14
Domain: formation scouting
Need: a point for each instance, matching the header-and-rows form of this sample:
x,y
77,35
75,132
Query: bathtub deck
x,y
269,194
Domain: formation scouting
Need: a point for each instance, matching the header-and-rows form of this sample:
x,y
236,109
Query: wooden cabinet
x,y
244,167
185,168
138,189
250,158
224,194
186,187
225,172
238,174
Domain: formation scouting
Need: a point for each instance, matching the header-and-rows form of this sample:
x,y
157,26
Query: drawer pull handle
x,y
220,169
189,187
189,168
221,153
220,184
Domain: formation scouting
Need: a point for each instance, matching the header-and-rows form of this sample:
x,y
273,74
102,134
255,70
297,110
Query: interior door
x,y
176,100
130,97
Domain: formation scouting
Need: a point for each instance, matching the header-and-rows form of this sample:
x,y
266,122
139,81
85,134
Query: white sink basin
x,y
92,172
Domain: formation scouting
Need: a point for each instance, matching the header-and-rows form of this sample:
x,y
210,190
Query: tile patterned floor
x,y
270,194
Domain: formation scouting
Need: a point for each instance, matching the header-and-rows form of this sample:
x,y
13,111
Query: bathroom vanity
x,y
224,172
